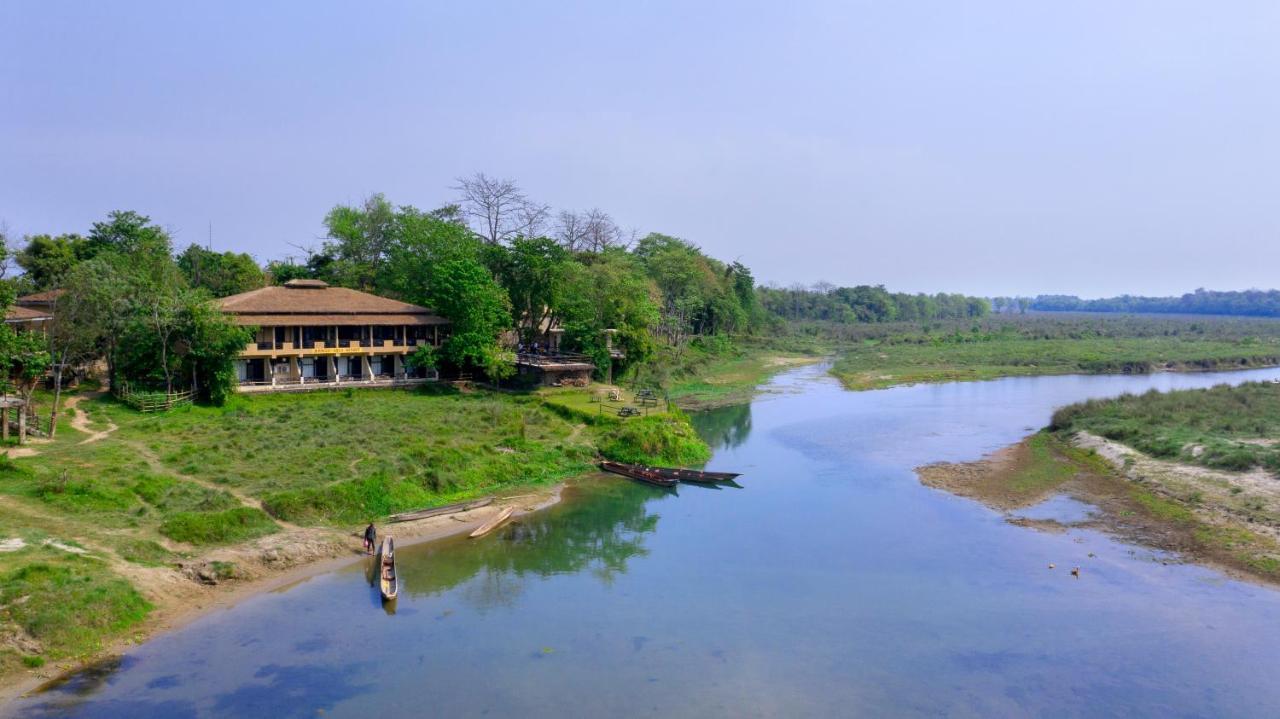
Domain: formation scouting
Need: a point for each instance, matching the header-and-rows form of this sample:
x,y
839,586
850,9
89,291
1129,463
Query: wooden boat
x,y
642,474
667,476
388,582
493,522
444,509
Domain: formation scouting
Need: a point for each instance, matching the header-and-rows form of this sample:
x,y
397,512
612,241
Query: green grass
x,y
979,356
664,440
719,371
146,552
211,528
1231,428
1052,461
592,405
1047,465
74,605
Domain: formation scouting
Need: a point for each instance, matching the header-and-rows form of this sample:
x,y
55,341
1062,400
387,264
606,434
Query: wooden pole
x,y
22,424
4,419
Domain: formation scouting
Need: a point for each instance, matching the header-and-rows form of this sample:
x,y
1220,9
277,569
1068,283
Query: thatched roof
x,y
16,314
48,297
312,303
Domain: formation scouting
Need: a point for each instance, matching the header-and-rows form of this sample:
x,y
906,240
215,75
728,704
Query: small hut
x,y
7,403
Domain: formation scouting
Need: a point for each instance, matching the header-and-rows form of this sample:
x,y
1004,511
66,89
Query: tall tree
x,y
221,273
478,311
46,259
359,239
128,232
499,208
533,272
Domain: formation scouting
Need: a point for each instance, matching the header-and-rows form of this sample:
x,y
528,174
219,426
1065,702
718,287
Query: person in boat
x,y
370,538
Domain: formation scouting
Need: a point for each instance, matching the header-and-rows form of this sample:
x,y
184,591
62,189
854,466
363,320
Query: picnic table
x,y
629,412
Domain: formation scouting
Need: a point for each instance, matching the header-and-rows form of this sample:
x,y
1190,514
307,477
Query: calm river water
x,y
832,584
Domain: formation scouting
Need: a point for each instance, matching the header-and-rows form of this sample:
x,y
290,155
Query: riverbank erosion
x,y
1227,520
127,520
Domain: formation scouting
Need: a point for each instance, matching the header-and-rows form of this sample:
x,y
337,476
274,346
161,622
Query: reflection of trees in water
x,y
723,427
598,528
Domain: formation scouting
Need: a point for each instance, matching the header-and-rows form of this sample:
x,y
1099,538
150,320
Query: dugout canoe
x,y
667,476
388,582
444,509
493,522
638,473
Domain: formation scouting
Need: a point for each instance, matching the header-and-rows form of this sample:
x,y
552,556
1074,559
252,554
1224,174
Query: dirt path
x,y
80,418
158,466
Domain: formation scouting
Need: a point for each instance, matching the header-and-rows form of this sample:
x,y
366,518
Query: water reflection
x,y
834,585
598,529
724,427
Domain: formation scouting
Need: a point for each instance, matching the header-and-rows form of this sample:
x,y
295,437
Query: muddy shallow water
x,y
833,583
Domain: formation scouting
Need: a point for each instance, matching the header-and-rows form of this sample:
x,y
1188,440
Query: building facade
x,y
310,335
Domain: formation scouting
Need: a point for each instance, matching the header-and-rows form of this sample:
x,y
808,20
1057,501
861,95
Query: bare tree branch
x,y
498,209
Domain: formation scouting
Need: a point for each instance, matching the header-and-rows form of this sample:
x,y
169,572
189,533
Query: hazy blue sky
x,y
1090,147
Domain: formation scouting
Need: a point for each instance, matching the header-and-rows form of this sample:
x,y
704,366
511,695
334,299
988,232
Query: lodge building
x,y
311,335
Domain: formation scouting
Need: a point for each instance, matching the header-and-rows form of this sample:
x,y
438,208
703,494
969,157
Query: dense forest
x,y
1249,303
864,303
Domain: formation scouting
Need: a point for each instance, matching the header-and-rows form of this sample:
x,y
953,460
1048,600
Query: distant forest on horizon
x,y
1247,303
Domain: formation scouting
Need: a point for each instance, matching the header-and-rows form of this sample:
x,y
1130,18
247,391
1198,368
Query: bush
x,y
662,440
226,527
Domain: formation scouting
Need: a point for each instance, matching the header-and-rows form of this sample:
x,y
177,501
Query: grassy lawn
x,y
593,403
876,364
63,606
1232,428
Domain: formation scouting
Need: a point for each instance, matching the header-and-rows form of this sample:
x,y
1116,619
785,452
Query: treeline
x,y
865,303
1249,303
125,297
503,269
493,270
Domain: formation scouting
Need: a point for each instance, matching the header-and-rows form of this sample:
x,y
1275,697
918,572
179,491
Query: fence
x,y
152,401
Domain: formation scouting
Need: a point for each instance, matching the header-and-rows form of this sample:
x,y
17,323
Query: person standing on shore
x,y
370,538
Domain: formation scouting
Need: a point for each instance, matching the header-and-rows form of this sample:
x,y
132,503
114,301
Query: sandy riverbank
x,y
1220,519
191,590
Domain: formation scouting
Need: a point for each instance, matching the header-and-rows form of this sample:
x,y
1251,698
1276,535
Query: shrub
x,y
666,439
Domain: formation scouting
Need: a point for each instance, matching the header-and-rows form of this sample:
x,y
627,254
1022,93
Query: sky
x,y
1090,147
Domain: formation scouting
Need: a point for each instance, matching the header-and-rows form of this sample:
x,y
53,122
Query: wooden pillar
x,y
22,424
4,419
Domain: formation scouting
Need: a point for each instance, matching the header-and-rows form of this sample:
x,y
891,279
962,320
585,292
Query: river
x,y
832,584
